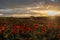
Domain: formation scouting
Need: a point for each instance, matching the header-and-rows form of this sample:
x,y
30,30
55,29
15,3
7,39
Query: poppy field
x,y
33,28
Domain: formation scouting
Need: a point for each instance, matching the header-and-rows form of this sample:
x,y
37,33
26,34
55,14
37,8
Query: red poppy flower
x,y
28,28
23,25
58,35
2,28
36,25
44,29
6,23
14,30
17,27
58,27
21,31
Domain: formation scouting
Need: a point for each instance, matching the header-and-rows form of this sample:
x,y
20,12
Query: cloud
x,y
23,3
15,11
17,3
26,11
18,10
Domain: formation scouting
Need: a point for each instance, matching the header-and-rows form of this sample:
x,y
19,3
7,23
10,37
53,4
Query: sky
x,y
22,3
8,7
16,3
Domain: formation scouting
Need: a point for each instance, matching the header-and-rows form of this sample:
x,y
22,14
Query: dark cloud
x,y
22,3
16,3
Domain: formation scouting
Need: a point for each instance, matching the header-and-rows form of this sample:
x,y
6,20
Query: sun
x,y
51,13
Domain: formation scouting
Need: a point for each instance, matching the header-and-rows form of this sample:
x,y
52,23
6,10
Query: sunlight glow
x,y
51,13
52,0
1,14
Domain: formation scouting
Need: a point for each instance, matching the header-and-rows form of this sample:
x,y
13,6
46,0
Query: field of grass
x,y
33,28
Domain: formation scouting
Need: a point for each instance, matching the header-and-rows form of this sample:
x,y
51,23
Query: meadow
x,y
32,28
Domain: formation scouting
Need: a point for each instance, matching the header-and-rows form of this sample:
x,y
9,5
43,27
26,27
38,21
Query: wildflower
x,y
58,35
21,31
44,28
28,28
2,28
36,25
23,25
14,30
6,23
58,27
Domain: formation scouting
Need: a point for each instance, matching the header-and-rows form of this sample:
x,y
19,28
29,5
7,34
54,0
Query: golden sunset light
x,y
29,19
41,8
